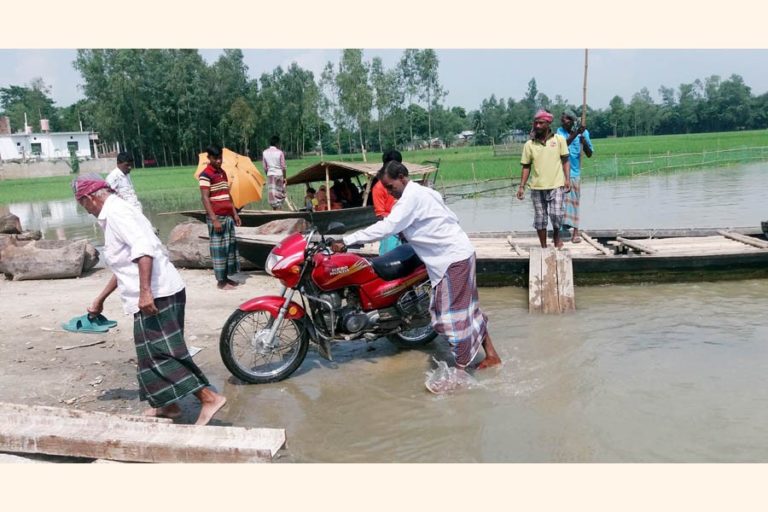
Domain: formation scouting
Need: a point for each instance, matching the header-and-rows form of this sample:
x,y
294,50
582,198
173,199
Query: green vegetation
x,y
613,157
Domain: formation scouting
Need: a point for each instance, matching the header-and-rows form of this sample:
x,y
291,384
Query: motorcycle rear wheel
x,y
413,338
247,358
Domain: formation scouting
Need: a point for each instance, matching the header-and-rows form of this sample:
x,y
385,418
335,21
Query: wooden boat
x,y
353,218
605,256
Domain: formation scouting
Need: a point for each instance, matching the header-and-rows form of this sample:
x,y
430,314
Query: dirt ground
x,y
37,367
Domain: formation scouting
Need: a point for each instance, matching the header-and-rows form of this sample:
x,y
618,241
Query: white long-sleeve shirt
x,y
128,235
273,160
429,226
122,184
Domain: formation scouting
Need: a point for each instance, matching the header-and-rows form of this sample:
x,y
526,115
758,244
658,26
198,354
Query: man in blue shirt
x,y
576,139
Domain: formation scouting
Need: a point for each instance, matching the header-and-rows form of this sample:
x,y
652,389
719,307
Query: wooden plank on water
x,y
534,280
600,247
744,239
635,245
53,431
565,295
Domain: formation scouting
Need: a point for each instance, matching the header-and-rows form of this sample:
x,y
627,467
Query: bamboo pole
x,y
584,102
327,188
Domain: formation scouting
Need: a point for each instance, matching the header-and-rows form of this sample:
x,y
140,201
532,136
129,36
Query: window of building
x,y
72,146
37,148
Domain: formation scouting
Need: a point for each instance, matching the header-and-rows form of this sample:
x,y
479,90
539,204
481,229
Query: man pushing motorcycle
x,y
434,233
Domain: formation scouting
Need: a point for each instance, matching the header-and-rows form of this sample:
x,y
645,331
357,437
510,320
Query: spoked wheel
x,y
247,353
413,338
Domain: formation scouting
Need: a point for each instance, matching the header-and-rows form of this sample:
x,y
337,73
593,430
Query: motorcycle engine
x,y
334,299
354,319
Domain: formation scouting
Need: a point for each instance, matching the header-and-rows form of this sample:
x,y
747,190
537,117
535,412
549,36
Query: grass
x,y
613,157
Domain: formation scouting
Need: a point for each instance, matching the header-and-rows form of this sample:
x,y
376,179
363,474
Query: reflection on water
x,y
718,197
664,373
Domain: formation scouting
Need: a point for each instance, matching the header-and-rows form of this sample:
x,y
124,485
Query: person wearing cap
x,y
545,159
576,139
433,232
119,180
153,292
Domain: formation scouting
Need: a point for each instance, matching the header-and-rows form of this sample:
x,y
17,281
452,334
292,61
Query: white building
x,y
46,146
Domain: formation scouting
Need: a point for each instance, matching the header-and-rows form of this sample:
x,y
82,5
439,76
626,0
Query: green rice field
x,y
613,157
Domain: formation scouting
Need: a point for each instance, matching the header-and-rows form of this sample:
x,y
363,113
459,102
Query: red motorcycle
x,y
343,296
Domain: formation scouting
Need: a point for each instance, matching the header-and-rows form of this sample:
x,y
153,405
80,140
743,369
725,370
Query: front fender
x,y
272,304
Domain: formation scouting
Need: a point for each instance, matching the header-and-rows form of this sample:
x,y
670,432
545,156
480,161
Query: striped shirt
x,y
217,182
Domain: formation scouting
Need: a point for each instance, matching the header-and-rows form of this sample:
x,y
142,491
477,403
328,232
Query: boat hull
x,y
352,218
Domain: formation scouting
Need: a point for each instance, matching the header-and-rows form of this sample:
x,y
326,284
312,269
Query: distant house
x,y
46,146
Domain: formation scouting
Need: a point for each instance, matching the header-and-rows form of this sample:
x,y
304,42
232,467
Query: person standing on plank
x,y
576,139
545,157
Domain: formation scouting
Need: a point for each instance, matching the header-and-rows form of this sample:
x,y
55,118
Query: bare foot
x,y
211,404
172,411
226,286
559,244
488,362
233,283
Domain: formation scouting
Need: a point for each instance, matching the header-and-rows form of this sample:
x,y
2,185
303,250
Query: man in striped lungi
x,y
153,292
576,139
222,219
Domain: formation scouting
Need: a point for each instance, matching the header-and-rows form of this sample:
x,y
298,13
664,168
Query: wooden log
x,y
635,245
603,249
34,429
744,239
565,295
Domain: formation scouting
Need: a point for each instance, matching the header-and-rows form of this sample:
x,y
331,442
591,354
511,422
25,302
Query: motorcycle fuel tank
x,y
334,271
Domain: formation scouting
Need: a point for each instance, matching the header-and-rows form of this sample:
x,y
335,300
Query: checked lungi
x,y
456,312
572,199
224,248
276,187
165,370
548,203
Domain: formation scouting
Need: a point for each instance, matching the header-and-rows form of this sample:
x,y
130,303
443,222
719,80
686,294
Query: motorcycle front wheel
x,y
248,354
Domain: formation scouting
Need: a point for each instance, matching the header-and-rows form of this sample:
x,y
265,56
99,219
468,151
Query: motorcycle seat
x,y
397,263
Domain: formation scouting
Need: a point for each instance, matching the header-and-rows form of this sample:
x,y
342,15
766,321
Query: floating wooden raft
x,y
73,433
550,281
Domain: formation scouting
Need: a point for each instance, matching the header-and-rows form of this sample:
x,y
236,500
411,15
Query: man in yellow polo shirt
x,y
547,154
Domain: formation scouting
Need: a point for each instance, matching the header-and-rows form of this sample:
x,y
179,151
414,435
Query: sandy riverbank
x,y
34,371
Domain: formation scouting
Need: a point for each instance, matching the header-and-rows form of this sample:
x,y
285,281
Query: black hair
x,y
310,190
395,169
213,150
274,140
124,157
390,155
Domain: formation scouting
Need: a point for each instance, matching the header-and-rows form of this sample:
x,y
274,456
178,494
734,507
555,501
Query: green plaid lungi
x,y
572,200
224,248
166,371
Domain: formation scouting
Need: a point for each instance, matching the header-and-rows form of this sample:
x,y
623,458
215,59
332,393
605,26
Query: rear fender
x,y
272,304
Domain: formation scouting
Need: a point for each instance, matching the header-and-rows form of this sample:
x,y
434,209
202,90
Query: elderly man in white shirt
x,y
273,160
120,181
153,292
435,235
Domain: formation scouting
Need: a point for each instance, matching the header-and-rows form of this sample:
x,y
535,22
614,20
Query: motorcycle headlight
x,y
272,260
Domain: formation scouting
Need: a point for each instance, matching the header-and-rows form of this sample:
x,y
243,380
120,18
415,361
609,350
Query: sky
x,y
469,75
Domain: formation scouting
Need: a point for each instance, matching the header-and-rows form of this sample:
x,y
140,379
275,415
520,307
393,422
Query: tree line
x,y
168,104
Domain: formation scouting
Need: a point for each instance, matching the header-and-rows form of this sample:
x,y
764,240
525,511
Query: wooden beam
x,y
635,245
550,300
535,280
565,294
595,244
54,431
743,239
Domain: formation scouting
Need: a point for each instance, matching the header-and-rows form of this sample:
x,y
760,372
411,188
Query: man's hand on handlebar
x,y
338,246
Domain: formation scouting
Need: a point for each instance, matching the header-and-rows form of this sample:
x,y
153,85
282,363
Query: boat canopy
x,y
338,170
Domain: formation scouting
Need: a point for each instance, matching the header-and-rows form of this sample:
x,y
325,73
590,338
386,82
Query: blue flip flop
x,y
83,324
102,321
